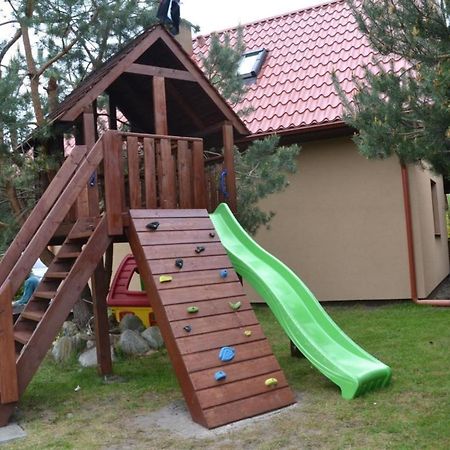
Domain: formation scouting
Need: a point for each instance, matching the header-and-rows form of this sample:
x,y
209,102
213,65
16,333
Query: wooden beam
x,y
112,107
160,105
9,390
90,136
114,182
154,71
198,166
99,290
228,155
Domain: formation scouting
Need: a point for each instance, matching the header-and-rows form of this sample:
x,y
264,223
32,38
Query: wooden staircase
x,y
55,296
194,340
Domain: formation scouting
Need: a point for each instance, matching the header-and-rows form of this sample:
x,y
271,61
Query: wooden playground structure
x,y
106,191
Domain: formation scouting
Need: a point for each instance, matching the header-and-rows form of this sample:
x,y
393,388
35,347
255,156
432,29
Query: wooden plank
x,y
228,154
217,340
168,194
41,209
196,293
210,358
176,224
134,178
198,169
154,252
235,370
244,408
194,263
221,322
143,69
177,237
159,105
162,213
150,173
230,392
184,279
9,391
207,308
114,181
184,159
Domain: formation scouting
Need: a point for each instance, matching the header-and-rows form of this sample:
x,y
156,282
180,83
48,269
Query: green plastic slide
x,y
302,317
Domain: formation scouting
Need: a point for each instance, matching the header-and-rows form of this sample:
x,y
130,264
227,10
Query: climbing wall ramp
x,y
222,359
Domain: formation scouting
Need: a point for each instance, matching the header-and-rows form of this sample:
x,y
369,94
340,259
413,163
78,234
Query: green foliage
x,y
404,108
261,171
222,63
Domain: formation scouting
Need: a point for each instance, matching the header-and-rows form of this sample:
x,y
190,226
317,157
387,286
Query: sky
x,y
216,15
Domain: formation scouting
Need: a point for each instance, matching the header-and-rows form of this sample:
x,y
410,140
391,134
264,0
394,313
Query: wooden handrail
x,y
158,136
24,252
9,391
39,212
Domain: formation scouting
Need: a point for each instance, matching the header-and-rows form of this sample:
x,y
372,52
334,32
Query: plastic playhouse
x,y
124,298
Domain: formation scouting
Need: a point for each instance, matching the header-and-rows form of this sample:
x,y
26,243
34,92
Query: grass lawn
x,y
412,413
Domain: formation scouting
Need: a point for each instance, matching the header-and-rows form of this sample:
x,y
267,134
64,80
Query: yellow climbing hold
x,y
248,333
270,382
165,278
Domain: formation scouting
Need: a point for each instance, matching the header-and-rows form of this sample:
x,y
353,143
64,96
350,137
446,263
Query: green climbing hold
x,y
192,309
235,306
165,278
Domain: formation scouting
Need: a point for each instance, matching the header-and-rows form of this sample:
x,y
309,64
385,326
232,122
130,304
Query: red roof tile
x,y
294,87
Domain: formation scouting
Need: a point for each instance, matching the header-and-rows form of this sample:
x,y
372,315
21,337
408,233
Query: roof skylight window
x,y
251,63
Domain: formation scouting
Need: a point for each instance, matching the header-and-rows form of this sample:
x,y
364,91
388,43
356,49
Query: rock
x,y
69,329
132,343
63,349
89,357
131,322
153,336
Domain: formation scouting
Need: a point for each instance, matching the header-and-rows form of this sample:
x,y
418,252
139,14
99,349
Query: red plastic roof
x,y
294,88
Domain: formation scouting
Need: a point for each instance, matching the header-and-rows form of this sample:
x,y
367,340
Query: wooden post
x,y
114,182
112,122
228,155
9,390
99,290
198,167
159,105
89,134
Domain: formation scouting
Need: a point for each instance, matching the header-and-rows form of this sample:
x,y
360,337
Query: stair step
x,y
57,275
45,294
22,336
36,316
68,255
80,235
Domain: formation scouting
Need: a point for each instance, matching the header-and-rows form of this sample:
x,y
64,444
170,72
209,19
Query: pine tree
x,y
404,111
262,168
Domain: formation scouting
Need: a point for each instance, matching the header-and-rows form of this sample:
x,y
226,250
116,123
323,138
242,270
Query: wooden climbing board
x,y
194,339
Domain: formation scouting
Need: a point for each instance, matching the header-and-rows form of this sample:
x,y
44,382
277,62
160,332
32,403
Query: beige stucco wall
x,y
432,262
340,224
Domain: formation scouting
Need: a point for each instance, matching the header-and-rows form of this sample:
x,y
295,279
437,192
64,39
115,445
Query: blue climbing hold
x,y
223,273
220,375
227,354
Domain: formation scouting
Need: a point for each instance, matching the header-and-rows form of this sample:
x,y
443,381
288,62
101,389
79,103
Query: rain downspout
x,y
410,241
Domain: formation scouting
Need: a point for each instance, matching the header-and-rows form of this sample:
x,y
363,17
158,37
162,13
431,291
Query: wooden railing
x,y
152,171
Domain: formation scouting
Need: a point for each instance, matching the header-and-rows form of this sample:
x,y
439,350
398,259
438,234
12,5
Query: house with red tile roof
x,y
351,228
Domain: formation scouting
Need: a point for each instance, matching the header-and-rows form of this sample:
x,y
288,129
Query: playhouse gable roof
x,y
294,90
125,77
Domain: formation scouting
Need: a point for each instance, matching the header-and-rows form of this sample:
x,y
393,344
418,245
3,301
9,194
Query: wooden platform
x,y
195,353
